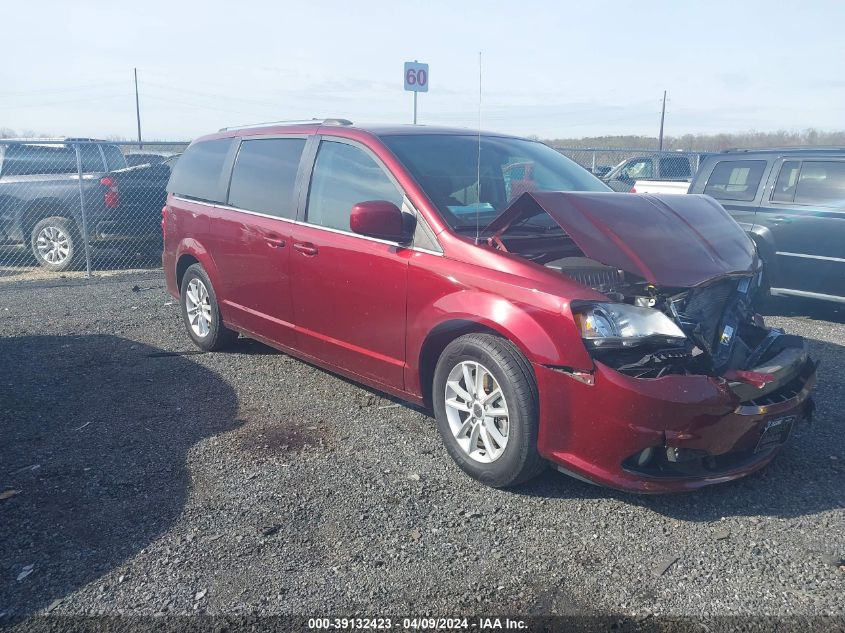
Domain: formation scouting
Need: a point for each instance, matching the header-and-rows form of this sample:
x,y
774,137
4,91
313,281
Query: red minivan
x,y
543,318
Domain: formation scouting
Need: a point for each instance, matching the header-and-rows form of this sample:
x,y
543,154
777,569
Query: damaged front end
x,y
680,279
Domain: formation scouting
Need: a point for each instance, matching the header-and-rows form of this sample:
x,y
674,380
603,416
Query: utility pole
x,y
662,117
138,112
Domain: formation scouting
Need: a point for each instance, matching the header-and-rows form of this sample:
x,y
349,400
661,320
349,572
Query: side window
x,y
92,161
822,183
735,179
345,175
114,157
639,170
264,175
198,172
26,160
675,167
784,190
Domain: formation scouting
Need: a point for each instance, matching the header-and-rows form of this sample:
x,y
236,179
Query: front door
x,y
349,291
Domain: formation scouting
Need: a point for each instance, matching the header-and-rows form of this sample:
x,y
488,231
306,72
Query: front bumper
x,y
592,431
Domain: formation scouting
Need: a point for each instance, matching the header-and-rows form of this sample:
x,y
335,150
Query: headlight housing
x,y
618,325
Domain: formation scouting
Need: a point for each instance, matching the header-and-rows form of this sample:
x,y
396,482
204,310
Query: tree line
x,y
708,142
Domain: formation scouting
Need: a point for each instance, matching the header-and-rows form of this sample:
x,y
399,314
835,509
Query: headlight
x,y
605,325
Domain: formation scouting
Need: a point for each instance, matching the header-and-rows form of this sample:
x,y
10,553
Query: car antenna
x,y
478,164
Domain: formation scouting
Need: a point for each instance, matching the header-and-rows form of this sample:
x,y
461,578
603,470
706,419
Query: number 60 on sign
x,y
416,77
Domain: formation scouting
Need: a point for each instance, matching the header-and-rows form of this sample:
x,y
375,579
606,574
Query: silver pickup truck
x,y
42,196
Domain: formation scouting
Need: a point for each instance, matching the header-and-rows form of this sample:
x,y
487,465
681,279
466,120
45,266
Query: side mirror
x,y
380,219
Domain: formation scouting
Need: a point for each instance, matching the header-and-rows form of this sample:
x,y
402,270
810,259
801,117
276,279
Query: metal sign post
x,y
416,80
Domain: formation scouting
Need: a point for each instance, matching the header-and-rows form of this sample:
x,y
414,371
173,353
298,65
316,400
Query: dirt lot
x,y
154,479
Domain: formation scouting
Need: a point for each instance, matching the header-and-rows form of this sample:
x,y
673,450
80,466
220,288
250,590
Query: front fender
x,y
541,330
764,239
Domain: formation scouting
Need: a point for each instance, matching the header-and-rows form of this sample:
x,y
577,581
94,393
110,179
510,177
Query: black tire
x,y
218,336
520,460
61,234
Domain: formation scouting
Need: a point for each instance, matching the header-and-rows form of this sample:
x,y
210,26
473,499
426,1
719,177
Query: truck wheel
x,y
201,312
485,401
53,242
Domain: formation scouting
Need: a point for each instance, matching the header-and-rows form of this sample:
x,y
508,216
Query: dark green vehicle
x,y
791,201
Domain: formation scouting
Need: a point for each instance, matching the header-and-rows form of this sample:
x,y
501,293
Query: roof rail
x,y
786,148
289,122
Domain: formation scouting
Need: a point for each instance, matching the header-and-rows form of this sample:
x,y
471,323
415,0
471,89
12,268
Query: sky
x,y
554,69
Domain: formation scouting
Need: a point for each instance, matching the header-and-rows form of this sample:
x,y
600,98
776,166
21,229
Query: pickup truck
x,y
41,199
664,166
791,201
661,186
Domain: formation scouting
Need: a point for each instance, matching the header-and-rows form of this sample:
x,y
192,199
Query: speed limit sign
x,y
416,77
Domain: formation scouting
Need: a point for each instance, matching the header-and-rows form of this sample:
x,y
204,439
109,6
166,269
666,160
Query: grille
x,y
705,306
787,392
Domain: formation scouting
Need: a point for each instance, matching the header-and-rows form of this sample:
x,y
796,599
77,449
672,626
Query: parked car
x,y
143,193
40,196
133,159
662,166
549,321
791,202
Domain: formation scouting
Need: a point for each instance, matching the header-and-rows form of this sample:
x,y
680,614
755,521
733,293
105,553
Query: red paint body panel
x,y
366,308
349,302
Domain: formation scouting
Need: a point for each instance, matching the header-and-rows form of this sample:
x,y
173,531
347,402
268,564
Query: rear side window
x,y
345,175
114,157
735,179
784,190
822,183
264,176
675,167
27,160
639,170
92,160
198,174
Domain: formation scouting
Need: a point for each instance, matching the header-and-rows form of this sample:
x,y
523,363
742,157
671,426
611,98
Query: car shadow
x,y
94,434
807,477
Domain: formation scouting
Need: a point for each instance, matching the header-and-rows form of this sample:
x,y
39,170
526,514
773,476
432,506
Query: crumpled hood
x,y
669,240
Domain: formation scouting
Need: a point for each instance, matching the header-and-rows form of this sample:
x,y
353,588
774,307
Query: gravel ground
x,y
154,479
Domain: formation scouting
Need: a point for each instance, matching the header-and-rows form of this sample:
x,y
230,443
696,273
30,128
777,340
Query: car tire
x,y
201,312
498,450
54,243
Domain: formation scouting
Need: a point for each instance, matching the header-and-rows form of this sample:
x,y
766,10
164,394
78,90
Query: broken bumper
x,y
702,430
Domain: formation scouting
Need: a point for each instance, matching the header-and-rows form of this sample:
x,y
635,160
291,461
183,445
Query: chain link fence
x,y
78,206
622,167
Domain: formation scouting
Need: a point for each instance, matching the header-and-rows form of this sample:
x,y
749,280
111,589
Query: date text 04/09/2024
x,y
419,623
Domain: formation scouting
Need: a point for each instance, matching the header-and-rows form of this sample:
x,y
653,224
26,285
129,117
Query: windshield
x,y
447,168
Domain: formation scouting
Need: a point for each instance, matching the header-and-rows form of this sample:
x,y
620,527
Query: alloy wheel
x,y
477,411
53,245
198,307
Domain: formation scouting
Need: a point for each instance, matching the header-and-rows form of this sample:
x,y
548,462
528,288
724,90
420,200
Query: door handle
x,y
306,248
275,241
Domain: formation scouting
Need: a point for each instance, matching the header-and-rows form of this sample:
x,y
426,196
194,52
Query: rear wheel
x,y
54,242
201,312
485,401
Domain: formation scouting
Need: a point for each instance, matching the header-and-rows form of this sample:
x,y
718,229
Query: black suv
x,y
791,201
40,196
